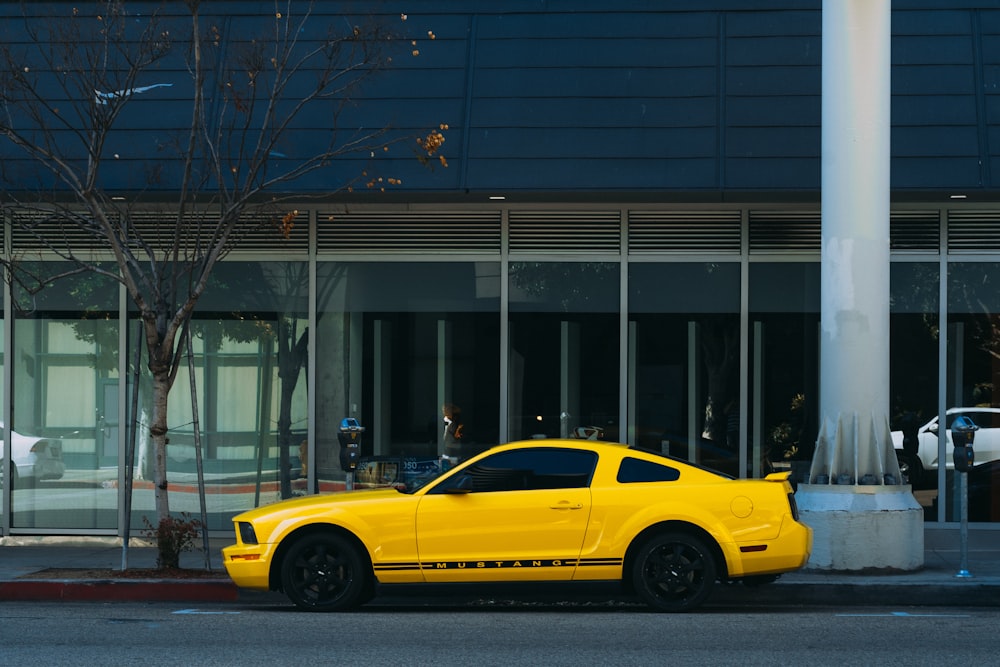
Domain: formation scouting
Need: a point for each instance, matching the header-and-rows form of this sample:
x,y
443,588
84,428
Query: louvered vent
x,y
914,231
432,232
38,229
785,231
973,231
656,232
259,230
565,231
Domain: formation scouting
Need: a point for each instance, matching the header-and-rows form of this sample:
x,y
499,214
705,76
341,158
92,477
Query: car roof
x,y
599,446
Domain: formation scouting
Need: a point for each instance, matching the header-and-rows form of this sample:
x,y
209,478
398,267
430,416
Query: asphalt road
x,y
268,631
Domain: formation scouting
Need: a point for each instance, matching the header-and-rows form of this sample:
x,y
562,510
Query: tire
x,y
325,572
674,572
910,468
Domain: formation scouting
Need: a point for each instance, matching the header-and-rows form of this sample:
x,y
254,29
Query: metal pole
x,y
130,443
963,539
197,448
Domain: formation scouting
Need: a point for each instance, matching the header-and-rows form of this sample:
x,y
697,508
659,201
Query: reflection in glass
x,y
684,377
564,342
402,346
250,345
784,363
3,451
66,404
913,374
973,374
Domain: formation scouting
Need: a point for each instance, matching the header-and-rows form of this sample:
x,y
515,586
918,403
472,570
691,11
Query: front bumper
x,y
249,565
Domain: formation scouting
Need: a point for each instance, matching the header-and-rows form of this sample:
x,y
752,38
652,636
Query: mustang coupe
x,y
540,510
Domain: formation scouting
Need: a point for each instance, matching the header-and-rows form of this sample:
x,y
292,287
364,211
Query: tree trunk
x,y
291,358
158,436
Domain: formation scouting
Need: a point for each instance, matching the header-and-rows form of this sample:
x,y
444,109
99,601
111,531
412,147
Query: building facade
x,y
625,245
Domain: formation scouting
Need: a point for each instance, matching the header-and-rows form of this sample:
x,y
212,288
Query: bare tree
x,y
78,79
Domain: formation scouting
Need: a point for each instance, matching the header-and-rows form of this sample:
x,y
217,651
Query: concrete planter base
x,y
863,528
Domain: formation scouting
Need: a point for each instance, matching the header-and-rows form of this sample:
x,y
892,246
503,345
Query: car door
x,y
513,516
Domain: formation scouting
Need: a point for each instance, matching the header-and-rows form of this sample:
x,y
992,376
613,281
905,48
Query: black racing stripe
x,y
397,566
588,562
499,564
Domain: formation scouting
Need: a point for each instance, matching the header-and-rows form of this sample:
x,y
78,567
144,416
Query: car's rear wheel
x,y
674,571
325,572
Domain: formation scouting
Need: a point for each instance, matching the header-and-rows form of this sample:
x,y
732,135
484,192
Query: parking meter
x,y
350,443
963,432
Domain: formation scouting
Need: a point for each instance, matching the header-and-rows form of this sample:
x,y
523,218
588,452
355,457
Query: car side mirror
x,y
933,428
462,485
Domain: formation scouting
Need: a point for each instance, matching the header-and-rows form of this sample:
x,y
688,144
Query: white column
x,y
861,515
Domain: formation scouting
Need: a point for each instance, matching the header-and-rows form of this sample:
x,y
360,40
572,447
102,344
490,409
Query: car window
x,y
636,470
985,418
981,418
526,469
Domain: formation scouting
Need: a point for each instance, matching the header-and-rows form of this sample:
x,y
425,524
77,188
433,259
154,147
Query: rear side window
x,y
638,470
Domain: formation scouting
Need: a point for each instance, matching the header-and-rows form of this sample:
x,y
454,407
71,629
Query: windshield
x,y
405,473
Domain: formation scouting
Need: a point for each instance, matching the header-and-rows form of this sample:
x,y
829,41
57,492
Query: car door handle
x,y
565,505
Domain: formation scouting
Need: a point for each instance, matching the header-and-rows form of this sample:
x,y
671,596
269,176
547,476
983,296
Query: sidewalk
x,y
23,561
936,584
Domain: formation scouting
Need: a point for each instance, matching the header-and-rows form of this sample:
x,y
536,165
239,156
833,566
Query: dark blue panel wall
x,y
707,97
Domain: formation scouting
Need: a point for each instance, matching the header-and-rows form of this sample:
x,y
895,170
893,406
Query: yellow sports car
x,y
540,510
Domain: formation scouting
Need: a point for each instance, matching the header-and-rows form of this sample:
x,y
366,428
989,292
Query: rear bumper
x,y
788,552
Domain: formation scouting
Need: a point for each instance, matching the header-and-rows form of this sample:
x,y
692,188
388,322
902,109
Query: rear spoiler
x,y
779,476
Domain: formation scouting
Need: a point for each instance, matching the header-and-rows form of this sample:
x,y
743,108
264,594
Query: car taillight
x,y
793,506
46,448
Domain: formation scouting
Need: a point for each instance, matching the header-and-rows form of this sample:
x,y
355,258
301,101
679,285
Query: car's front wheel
x,y
674,571
325,572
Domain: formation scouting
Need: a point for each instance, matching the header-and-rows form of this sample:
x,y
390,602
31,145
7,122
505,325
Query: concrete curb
x,y
925,594
968,593
118,590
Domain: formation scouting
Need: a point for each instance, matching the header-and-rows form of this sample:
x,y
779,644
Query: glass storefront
x,y
913,372
400,346
563,377
711,360
784,313
64,407
973,362
684,342
250,351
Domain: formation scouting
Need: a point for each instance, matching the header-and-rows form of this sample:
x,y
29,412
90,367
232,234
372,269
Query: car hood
x,y
340,498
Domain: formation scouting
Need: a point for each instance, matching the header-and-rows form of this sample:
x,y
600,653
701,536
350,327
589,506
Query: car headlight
x,y
247,533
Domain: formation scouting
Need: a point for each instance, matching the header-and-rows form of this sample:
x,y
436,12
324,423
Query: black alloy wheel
x,y
674,572
325,572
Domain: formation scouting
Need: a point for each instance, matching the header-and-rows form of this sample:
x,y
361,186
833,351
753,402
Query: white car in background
x,y
986,443
34,458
